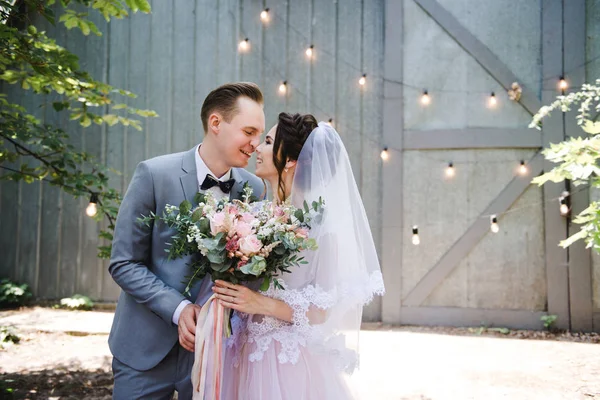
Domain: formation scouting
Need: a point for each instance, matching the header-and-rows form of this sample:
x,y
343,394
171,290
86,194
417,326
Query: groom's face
x,y
239,137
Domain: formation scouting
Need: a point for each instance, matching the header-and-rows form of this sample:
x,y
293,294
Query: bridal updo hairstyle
x,y
292,131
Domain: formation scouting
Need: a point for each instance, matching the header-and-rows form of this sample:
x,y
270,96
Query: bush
x,y
8,337
12,294
77,302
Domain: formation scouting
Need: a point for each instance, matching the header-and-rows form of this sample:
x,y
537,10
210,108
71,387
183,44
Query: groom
x,y
152,336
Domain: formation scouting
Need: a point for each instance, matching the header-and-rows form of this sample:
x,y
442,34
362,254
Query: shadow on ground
x,y
65,382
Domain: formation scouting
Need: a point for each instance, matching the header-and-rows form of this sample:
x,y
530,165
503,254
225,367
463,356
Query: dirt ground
x,y
64,355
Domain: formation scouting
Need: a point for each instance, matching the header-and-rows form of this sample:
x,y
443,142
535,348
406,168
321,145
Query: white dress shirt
x,y
201,171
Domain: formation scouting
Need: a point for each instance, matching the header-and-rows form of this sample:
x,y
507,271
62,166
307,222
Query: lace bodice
x,y
310,304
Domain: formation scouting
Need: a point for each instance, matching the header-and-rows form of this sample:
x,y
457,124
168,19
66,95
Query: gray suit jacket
x,y
143,332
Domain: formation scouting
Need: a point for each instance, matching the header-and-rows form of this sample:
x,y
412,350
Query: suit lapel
x,y
236,190
189,180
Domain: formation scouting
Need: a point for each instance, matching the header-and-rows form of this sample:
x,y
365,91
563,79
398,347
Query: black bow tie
x,y
211,181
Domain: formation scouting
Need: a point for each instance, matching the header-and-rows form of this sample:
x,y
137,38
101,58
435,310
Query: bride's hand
x,y
240,298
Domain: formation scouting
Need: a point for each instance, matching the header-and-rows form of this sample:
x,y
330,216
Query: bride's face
x,y
265,168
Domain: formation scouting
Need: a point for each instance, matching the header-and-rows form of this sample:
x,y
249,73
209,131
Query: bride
x,y
301,343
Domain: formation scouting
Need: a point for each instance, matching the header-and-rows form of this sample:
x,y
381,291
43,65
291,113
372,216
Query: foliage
x,y
12,294
548,321
77,302
8,337
577,157
31,150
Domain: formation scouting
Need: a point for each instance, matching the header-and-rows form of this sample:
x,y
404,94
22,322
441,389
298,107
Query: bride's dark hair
x,y
292,131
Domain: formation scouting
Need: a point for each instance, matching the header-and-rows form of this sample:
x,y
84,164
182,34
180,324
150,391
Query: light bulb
x,y
425,99
494,224
264,15
283,87
564,206
416,240
309,52
450,170
384,154
493,100
91,209
362,80
244,45
523,168
562,83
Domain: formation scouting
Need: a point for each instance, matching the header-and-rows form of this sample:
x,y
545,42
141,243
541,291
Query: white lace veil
x,y
344,273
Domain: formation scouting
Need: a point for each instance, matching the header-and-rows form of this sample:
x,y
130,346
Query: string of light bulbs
x,y
563,206
266,18
425,98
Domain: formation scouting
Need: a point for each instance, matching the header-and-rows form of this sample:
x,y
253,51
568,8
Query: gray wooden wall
x,y
460,51
172,59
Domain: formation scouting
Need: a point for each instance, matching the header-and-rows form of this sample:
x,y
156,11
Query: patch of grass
x,y
8,337
12,294
77,302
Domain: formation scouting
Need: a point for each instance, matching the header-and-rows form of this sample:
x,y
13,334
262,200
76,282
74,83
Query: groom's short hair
x,y
224,100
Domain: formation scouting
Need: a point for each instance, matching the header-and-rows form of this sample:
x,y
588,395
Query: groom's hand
x,y
187,326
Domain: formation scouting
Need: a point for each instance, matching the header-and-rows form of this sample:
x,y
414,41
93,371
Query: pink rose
x,y
247,217
220,222
250,245
242,228
301,233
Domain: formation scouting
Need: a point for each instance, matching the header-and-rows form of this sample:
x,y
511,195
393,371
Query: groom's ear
x,y
214,122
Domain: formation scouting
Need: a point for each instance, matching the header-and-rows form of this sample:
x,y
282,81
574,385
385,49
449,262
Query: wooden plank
x,y
298,64
51,219
138,82
90,278
596,322
8,227
473,235
463,317
391,192
323,77
488,60
160,85
349,70
73,209
371,128
580,258
555,224
251,28
206,61
275,61
479,138
227,41
182,74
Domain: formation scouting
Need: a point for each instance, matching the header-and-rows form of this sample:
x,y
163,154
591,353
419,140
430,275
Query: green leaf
x,y
85,28
265,284
196,215
60,105
199,198
299,215
110,119
185,207
143,5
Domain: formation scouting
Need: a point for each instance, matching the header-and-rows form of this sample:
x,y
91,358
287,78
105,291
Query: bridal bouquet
x,y
239,241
